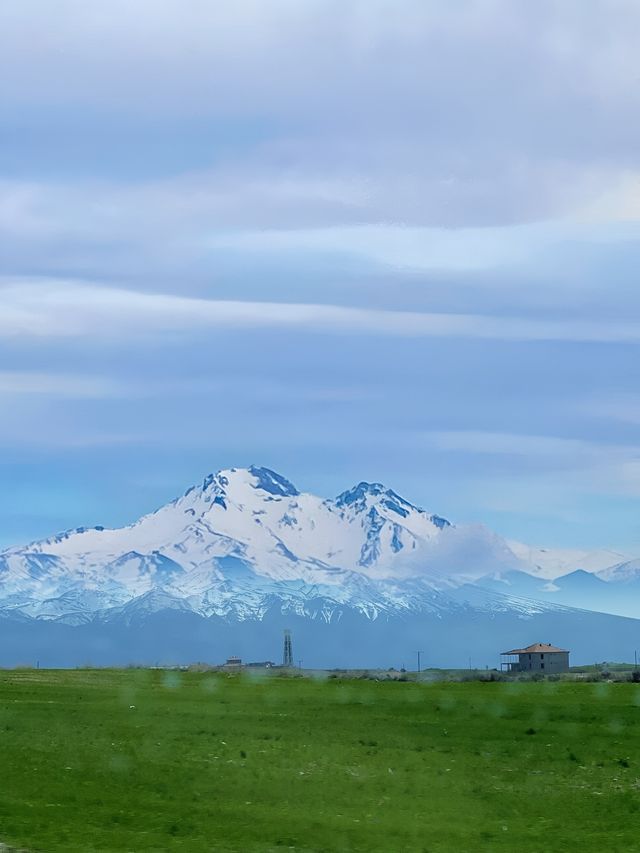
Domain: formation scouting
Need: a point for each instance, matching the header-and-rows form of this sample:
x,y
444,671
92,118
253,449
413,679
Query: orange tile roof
x,y
536,647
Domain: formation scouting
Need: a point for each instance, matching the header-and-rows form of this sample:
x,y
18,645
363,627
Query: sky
x,y
383,240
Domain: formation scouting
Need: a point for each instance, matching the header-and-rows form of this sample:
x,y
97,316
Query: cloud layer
x,y
81,310
366,238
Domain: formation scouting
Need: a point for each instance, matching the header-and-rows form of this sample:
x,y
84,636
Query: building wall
x,y
544,662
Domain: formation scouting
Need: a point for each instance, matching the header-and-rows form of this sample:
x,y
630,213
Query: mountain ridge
x,y
246,543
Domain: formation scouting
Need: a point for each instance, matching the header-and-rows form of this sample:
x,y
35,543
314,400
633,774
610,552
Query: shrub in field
x,y
493,675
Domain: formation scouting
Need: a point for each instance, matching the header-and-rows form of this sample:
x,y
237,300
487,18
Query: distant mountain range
x,y
366,579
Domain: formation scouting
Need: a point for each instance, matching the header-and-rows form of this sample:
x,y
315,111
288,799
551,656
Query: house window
x,y
541,666
542,657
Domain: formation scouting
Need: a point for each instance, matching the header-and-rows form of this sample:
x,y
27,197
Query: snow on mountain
x,y
246,537
246,541
615,591
627,572
553,562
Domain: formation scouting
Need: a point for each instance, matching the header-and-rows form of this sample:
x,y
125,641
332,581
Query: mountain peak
x,y
255,476
365,494
272,482
357,493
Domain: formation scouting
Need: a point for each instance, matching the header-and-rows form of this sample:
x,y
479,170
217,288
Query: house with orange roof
x,y
539,657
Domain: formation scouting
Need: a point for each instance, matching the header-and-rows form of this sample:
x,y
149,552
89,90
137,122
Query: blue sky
x,y
364,239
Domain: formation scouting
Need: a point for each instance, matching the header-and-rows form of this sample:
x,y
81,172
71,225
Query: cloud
x,y
607,406
191,53
584,466
253,222
517,444
371,111
181,209
619,200
19,382
64,309
401,247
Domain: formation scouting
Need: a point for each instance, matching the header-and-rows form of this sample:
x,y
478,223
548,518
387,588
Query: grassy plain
x,y
138,760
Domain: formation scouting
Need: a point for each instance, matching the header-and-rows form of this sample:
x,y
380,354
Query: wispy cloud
x,y
76,310
587,466
19,382
342,237
519,444
624,408
489,113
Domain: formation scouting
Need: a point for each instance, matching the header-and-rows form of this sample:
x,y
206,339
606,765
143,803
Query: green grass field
x,y
139,760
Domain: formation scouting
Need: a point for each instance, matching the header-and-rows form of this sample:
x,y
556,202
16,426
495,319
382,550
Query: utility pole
x,y
418,653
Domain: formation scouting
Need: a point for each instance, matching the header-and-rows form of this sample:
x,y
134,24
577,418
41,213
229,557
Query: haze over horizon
x,y
378,241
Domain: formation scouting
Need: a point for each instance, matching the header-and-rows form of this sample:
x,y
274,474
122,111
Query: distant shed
x,y
539,657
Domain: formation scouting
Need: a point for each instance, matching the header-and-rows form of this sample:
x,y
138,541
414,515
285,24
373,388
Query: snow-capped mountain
x,y
246,534
255,515
626,572
551,563
245,547
614,590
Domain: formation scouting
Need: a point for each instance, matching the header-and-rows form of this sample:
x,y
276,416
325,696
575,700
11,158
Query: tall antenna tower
x,y
287,657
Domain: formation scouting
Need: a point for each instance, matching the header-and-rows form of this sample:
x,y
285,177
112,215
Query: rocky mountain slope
x,y
245,547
